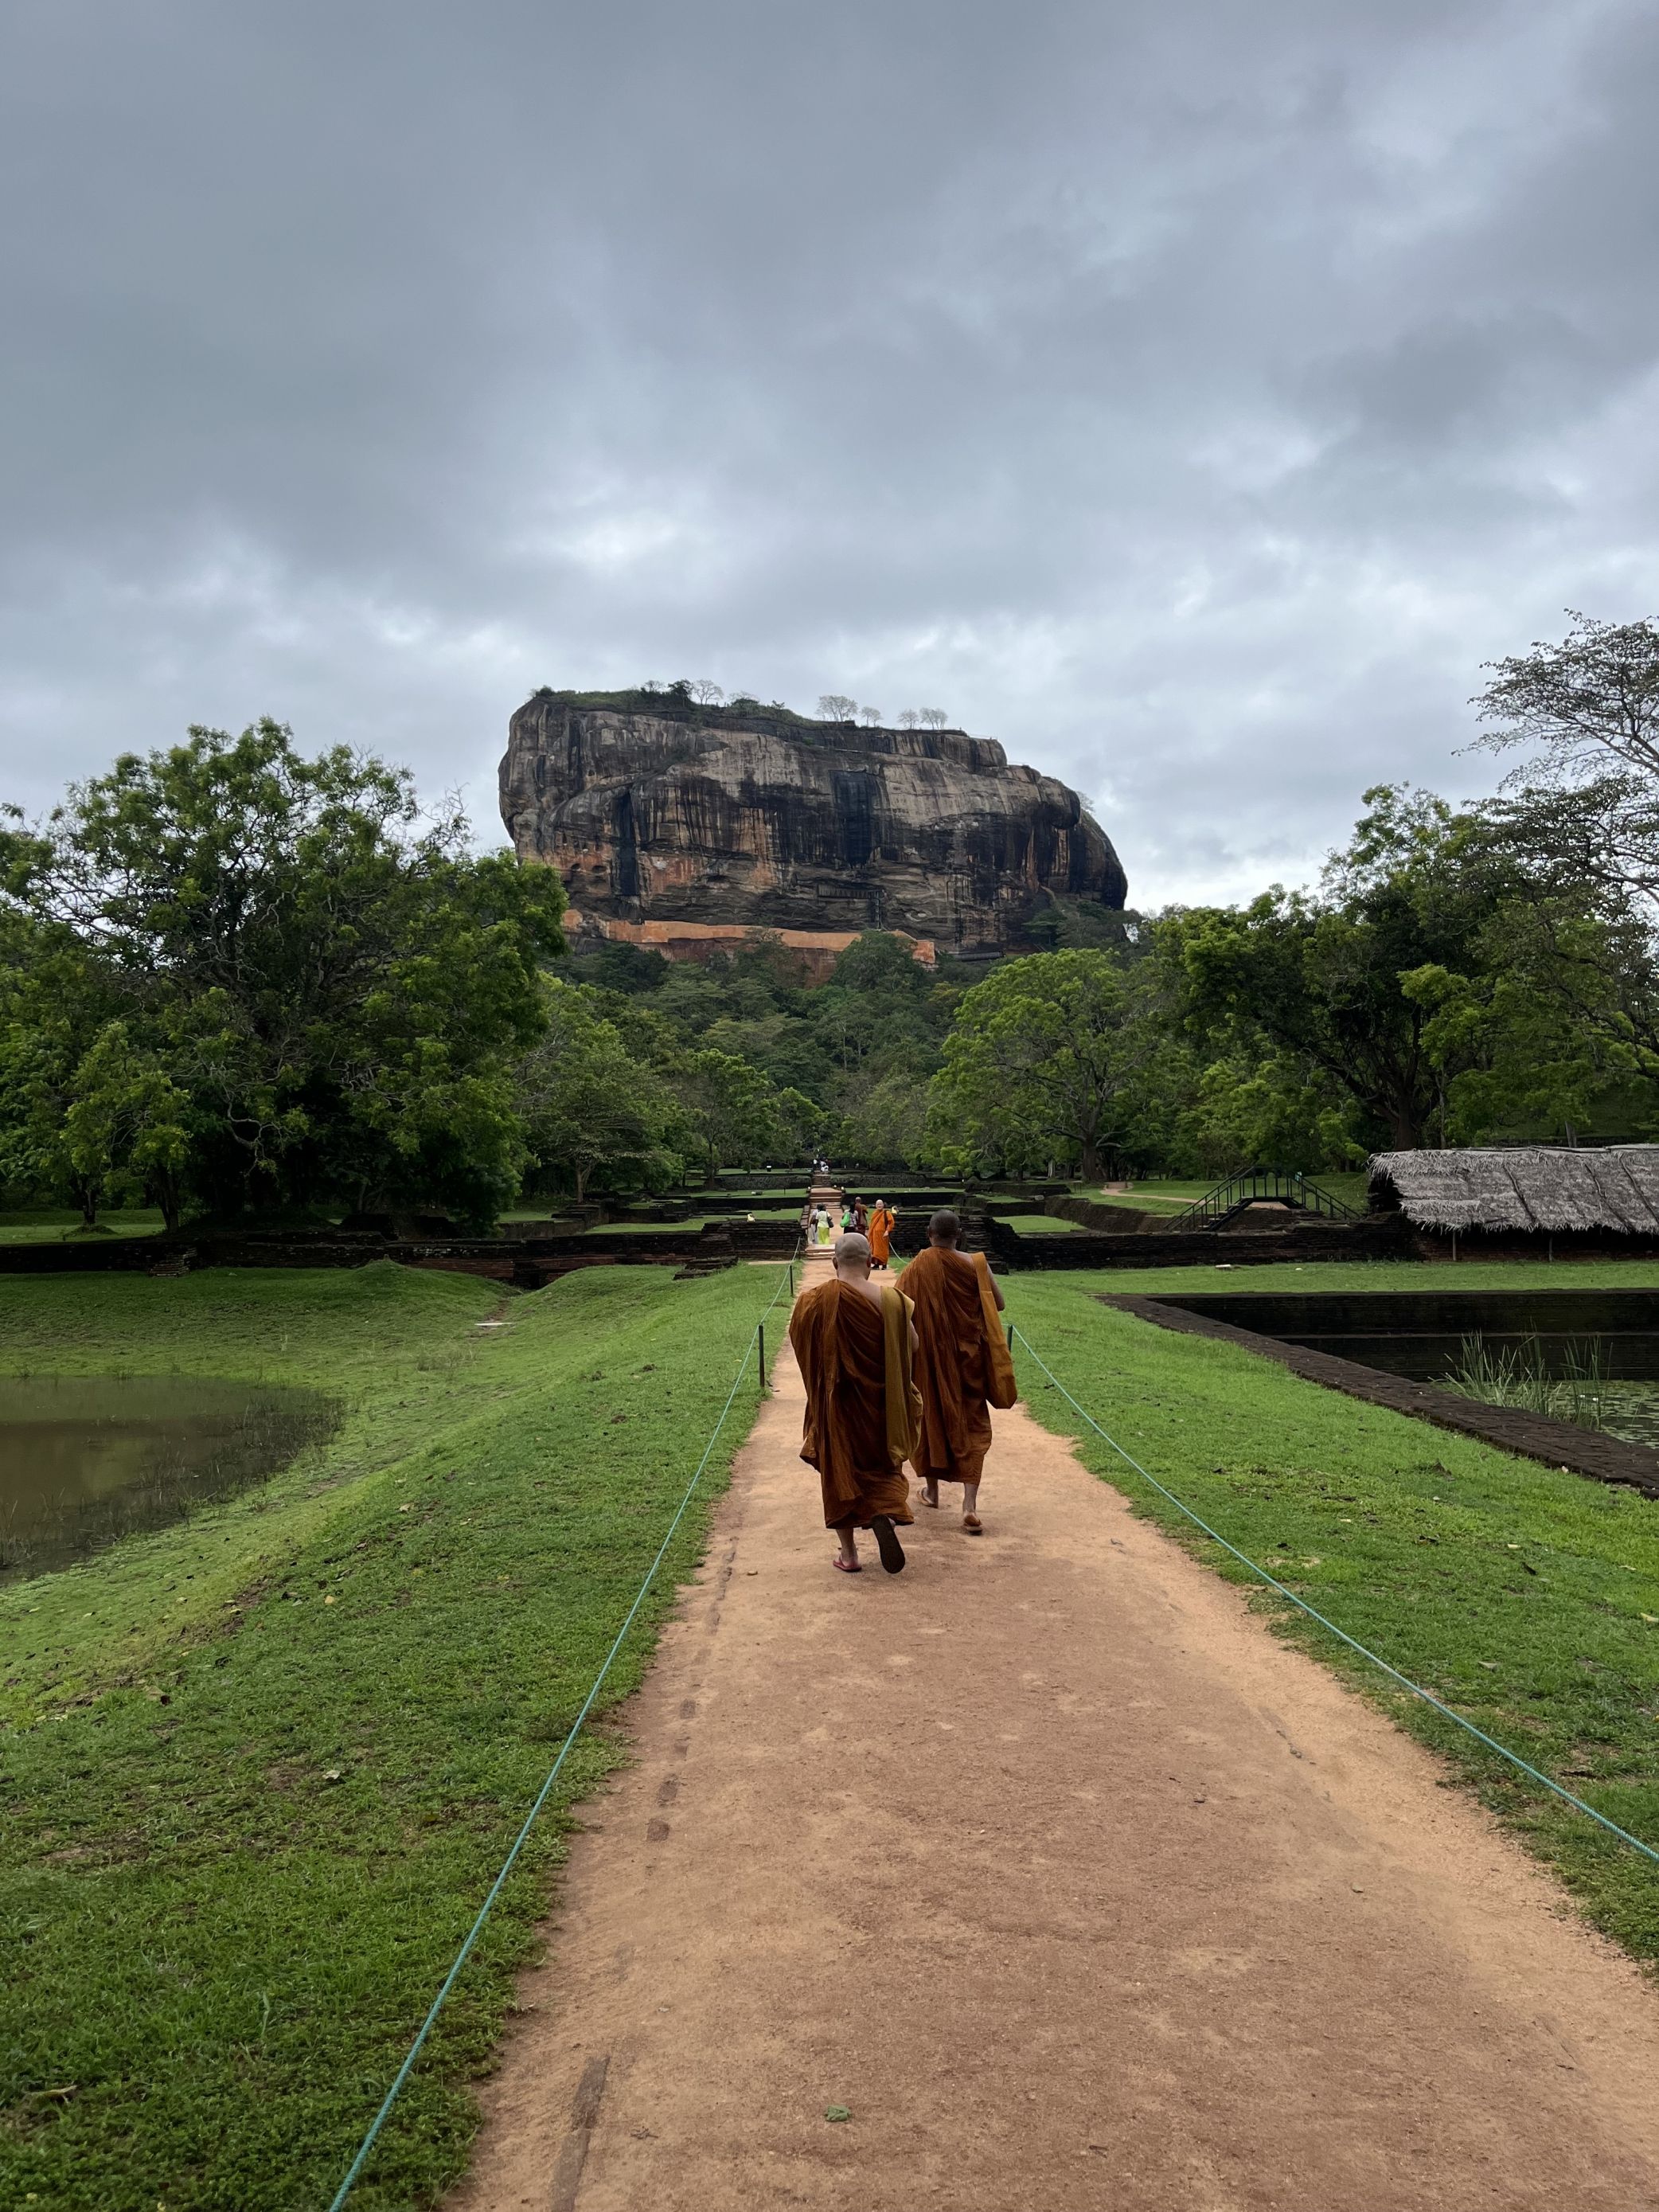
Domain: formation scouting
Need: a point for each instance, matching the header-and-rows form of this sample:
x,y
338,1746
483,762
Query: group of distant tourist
x,y
897,1374
876,1223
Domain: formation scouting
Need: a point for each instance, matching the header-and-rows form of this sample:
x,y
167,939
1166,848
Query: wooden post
x,y
761,1332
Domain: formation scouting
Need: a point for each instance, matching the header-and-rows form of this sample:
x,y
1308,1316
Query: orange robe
x,y
862,1410
964,1362
880,1233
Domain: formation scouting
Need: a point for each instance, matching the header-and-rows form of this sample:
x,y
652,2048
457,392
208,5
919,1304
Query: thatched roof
x,y
1532,1187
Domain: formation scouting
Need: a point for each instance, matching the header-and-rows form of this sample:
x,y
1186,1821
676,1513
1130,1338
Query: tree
x,y
934,717
1585,808
738,1108
1319,979
588,1106
129,1125
836,707
908,719
338,988
708,694
869,716
1044,1061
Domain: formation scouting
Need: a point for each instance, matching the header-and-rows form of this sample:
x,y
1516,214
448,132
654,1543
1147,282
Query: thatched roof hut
x,y
1535,1187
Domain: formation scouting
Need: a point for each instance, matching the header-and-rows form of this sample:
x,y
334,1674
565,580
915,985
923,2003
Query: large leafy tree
x,y
1318,979
589,1108
334,987
1584,808
1050,1058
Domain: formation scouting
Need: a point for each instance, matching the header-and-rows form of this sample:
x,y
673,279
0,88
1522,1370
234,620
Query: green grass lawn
x,y
1525,1598
257,1770
41,1224
1039,1224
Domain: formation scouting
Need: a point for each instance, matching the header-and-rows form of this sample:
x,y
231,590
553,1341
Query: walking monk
x,y
855,1341
963,1364
881,1232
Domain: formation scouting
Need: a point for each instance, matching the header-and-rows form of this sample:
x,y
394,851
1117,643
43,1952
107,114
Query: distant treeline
x,y
238,982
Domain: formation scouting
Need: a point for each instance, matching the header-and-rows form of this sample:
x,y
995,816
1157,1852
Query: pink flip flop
x,y
845,1567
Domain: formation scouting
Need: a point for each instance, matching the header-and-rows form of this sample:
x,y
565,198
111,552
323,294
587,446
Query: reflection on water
x,y
84,1460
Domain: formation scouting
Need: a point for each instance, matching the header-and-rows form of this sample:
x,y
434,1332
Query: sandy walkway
x,y
1077,1888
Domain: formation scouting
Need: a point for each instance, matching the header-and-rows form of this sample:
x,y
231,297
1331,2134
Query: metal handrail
x,y
1239,1191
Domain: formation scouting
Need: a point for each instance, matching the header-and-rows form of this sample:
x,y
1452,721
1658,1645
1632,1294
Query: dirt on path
x,y
1071,1884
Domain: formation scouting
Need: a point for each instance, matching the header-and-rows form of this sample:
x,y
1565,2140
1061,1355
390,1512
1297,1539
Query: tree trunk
x,y
1405,1132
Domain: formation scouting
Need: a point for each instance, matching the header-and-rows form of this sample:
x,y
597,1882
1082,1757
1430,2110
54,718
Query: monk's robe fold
x,y
964,1362
862,1410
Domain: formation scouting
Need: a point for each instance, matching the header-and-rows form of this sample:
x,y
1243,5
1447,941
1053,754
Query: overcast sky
x,y
1191,395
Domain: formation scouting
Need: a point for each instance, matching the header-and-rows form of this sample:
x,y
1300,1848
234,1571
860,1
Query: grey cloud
x,y
1192,398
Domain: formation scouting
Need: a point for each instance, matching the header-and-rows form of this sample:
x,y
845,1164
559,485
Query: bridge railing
x,y
1255,1186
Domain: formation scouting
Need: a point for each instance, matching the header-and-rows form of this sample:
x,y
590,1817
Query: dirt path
x,y
1077,1888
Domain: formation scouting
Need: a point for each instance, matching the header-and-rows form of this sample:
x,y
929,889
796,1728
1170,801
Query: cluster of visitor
x,y
876,1223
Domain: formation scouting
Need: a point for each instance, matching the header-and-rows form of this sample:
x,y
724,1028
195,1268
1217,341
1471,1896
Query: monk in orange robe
x,y
961,1366
881,1233
855,1343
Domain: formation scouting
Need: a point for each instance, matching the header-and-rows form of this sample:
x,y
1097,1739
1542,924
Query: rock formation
x,y
685,825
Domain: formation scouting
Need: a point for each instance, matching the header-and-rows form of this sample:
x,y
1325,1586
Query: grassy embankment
x,y
258,1769
46,1225
1527,1598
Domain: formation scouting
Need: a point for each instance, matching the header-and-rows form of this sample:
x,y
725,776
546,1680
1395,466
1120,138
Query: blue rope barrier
x,y
1313,1612
545,1791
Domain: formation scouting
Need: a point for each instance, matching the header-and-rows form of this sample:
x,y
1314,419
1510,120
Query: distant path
x,y
1077,1887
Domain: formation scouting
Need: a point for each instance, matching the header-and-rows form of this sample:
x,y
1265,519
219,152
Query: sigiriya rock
x,y
687,826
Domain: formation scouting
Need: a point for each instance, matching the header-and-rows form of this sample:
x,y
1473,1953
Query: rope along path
x,y
545,1791
1353,1645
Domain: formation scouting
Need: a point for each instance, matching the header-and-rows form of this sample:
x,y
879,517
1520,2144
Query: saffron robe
x,y
964,1362
880,1234
862,1409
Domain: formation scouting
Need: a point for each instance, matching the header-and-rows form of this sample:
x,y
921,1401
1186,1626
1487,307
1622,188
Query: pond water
x,y
1631,1410
85,1458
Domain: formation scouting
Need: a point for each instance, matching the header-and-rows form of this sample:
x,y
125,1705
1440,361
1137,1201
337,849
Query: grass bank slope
x,y
1527,1598
262,1766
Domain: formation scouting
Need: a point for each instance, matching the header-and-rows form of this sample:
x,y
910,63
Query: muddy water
x,y
84,1460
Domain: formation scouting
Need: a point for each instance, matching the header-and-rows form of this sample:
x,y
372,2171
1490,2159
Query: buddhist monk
x,y
855,1343
962,1365
881,1232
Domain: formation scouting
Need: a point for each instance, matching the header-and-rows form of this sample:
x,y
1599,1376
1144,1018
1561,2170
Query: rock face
x,y
681,824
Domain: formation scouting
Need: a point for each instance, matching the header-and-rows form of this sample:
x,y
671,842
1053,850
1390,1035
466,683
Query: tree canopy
x,y
316,995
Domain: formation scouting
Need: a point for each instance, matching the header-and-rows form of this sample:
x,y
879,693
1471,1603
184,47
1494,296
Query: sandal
x,y
926,1500
887,1543
847,1566
972,1525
